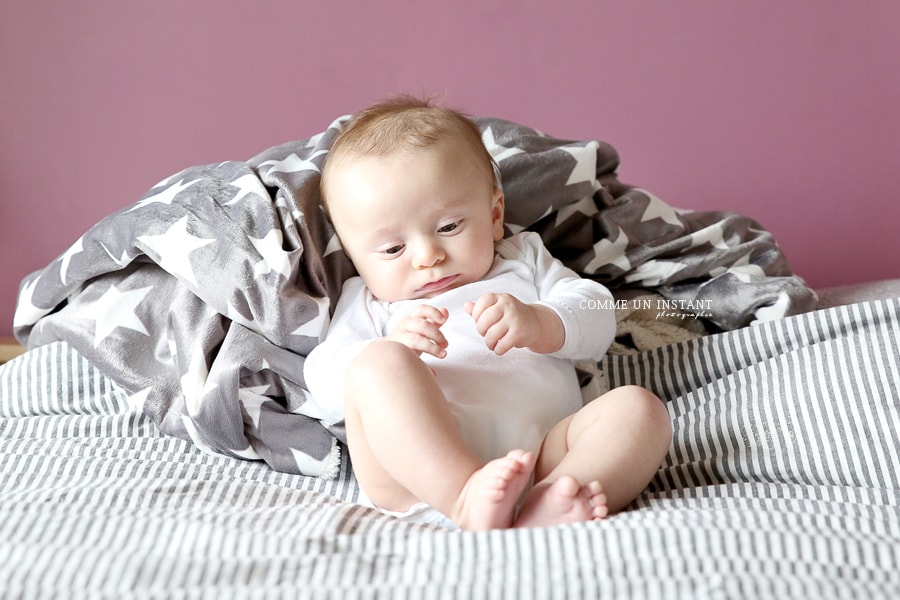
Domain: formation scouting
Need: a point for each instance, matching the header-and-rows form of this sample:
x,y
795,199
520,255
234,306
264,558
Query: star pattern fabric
x,y
247,184
203,298
165,196
115,309
66,258
498,152
274,258
585,170
292,164
173,249
657,209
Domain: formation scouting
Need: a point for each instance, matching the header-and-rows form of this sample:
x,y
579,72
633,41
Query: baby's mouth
x,y
437,285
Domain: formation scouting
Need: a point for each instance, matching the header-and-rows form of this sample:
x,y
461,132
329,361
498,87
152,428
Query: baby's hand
x,y
505,323
420,331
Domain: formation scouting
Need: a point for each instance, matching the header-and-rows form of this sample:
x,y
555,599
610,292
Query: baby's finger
x,y
427,330
421,344
503,345
430,313
493,335
487,318
483,303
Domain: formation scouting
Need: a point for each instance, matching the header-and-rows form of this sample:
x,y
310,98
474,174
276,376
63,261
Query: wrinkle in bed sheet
x,y
782,482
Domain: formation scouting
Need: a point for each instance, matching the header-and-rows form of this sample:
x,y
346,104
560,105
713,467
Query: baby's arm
x,y
589,324
506,323
352,328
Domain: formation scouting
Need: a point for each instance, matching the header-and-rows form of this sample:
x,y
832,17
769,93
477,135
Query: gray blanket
x,y
203,298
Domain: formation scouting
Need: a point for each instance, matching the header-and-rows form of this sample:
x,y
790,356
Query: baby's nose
x,y
428,254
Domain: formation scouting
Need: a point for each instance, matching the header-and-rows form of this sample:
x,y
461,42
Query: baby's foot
x,y
563,501
488,500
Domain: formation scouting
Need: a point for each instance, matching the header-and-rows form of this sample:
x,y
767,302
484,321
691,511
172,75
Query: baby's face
x,y
416,223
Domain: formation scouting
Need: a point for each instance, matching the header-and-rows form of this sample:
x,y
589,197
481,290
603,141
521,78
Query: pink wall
x,y
785,111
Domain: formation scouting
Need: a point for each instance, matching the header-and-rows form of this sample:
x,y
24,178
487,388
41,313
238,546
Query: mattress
x,y
782,481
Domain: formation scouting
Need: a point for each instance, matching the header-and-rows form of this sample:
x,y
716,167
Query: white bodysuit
x,y
499,402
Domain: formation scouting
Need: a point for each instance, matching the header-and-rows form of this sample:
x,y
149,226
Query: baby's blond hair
x,y
403,124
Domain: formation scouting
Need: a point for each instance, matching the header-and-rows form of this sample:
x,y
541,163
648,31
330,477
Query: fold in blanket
x,y
203,298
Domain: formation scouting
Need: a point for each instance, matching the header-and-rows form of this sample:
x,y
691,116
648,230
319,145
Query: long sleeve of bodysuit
x,y
583,305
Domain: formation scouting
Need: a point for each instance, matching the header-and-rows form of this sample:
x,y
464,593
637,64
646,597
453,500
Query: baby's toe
x,y
594,488
522,459
567,487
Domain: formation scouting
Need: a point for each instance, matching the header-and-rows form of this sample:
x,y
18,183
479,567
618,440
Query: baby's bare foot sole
x,y
489,498
562,501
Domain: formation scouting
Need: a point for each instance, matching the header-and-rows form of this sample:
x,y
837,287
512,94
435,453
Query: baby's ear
x,y
497,207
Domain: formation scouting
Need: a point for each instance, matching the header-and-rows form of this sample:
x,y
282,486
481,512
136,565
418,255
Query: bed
x,y
153,441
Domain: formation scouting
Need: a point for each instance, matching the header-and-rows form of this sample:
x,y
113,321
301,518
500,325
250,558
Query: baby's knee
x,y
647,407
381,358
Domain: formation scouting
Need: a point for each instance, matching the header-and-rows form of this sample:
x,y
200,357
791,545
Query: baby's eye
x,y
448,228
394,249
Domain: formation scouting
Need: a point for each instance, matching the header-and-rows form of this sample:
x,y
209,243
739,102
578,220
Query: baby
x,y
450,357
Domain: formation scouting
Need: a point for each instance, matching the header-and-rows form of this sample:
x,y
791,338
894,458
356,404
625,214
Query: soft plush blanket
x,y
203,298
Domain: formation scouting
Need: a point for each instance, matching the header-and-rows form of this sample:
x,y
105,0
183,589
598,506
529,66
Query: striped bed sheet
x,y
782,481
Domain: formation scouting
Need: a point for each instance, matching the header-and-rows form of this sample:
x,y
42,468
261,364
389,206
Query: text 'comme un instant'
x,y
665,307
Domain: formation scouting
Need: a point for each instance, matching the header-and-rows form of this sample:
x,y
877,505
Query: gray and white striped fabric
x,y
782,482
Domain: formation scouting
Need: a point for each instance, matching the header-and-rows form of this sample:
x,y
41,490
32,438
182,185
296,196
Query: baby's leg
x,y
619,440
407,448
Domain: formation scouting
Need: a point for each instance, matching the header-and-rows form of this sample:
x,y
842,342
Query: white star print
x,y
338,124
115,309
274,258
657,209
547,211
610,252
174,247
165,181
124,260
247,184
734,240
194,381
315,327
584,206
247,453
712,235
26,312
654,272
252,399
311,466
74,249
167,196
742,269
173,348
136,400
233,314
774,311
293,164
499,152
585,163
314,140
195,436
334,245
